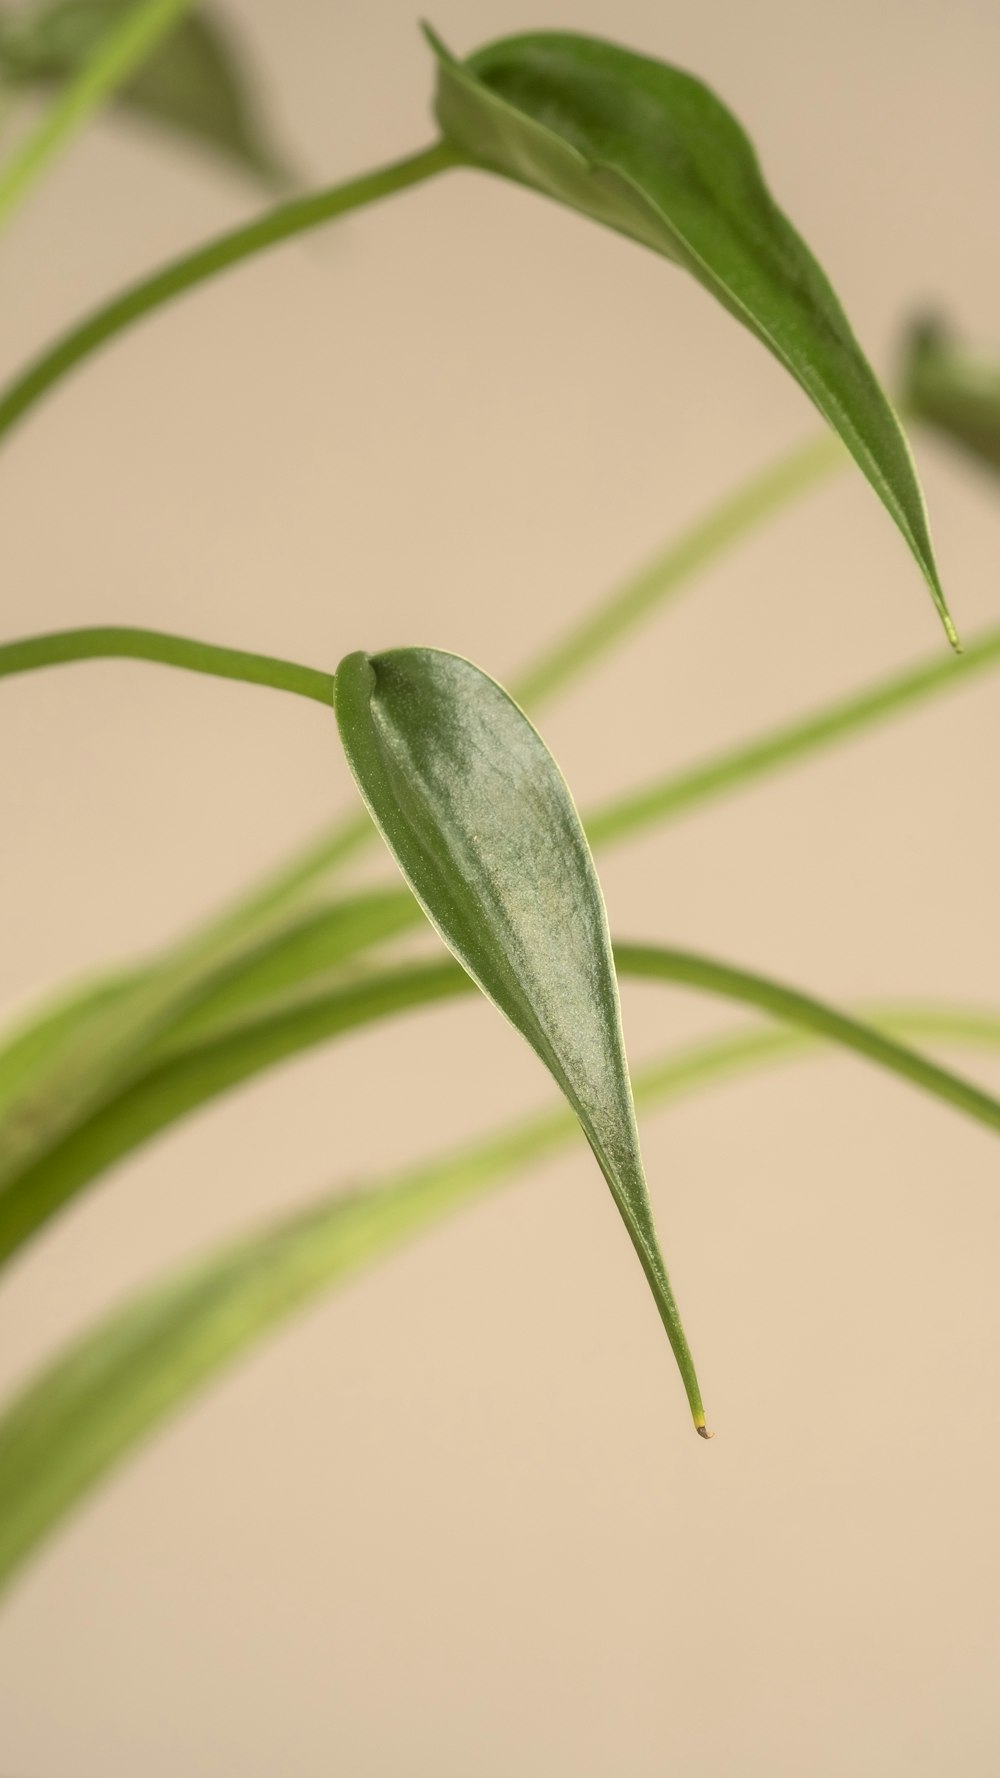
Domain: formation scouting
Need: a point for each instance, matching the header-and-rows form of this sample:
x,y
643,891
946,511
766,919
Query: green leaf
x,y
475,812
122,49
101,1073
652,153
155,1096
98,1398
954,389
194,85
65,1036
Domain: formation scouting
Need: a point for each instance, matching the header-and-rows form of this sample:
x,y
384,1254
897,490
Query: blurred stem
x,y
782,482
280,224
122,51
671,796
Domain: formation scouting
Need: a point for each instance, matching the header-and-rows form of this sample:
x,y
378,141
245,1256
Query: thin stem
x,y
122,51
659,963
112,643
675,795
741,512
280,224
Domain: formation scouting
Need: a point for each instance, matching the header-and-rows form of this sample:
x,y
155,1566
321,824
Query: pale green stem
x,y
677,794
280,224
124,49
709,537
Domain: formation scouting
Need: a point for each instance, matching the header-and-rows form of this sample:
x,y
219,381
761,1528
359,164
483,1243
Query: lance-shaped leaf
x,y
192,85
651,152
954,389
480,821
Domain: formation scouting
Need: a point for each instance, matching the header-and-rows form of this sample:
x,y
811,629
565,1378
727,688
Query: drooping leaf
x,y
649,151
104,1393
64,1035
194,85
479,819
954,389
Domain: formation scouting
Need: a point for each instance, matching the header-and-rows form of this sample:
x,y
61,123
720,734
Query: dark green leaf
x,y
953,389
652,153
479,820
193,85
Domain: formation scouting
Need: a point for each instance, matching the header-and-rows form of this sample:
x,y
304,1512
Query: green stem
x,y
280,224
687,968
675,795
113,643
661,801
120,53
741,512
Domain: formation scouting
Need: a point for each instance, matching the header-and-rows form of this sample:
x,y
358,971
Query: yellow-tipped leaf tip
x,y
951,632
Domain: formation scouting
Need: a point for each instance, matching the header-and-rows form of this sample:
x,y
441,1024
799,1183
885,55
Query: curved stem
x,y
114,643
122,50
726,523
280,224
792,1007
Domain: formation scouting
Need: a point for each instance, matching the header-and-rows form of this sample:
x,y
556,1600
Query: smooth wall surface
x,y
454,1520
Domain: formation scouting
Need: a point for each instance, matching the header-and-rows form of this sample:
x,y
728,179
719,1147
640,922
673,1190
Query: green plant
x,y
462,788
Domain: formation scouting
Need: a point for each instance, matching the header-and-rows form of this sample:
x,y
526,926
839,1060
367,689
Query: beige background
x,y
454,1521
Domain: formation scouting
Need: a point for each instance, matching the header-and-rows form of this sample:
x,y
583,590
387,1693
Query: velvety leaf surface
x,y
651,152
954,389
482,825
194,84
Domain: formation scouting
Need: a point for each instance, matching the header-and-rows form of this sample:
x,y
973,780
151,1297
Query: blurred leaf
x,y
194,85
159,1094
479,819
652,153
97,1399
101,1073
953,389
117,55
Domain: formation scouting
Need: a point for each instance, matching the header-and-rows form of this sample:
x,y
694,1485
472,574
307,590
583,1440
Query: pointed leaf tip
x,y
649,151
480,821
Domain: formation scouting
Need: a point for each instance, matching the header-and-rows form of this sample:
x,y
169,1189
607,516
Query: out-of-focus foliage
x,y
195,84
953,389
